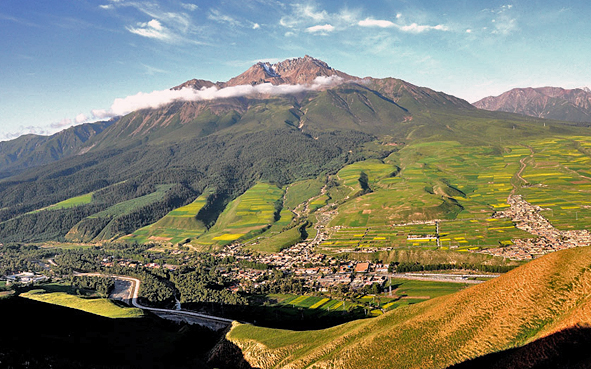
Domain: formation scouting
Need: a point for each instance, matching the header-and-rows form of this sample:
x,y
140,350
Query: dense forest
x,y
230,163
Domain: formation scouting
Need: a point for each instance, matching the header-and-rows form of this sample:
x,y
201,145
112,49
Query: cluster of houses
x,y
25,278
549,239
324,273
110,262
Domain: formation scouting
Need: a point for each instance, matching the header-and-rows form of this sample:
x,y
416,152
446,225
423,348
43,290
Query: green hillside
x,y
178,225
489,317
246,216
103,225
231,144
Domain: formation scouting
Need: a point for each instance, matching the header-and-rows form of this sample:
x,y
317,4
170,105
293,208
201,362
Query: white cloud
x,y
157,99
5,136
412,28
165,25
504,21
256,26
309,11
151,29
155,24
415,28
66,122
504,25
150,70
188,6
101,114
368,22
219,17
108,6
308,15
321,29
81,118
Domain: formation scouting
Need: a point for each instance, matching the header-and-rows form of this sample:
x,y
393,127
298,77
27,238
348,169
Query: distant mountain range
x,y
33,150
544,102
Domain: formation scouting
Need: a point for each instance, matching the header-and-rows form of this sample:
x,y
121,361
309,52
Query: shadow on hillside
x,y
43,336
226,355
567,349
281,317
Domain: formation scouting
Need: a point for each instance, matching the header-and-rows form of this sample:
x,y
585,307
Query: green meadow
x,y
69,203
98,306
301,191
404,292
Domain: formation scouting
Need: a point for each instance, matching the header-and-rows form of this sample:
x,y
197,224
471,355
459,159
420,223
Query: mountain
x,y
348,103
28,151
544,102
151,161
299,71
528,305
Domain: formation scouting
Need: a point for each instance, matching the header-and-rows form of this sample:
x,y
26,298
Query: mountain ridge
x,y
543,102
496,315
33,150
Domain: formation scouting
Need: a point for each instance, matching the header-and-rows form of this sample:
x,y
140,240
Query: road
x,y
132,294
436,277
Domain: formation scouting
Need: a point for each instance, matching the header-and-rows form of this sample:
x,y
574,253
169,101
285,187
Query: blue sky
x,y
61,60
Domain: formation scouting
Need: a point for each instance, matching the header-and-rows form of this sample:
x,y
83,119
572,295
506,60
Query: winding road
x,y
132,295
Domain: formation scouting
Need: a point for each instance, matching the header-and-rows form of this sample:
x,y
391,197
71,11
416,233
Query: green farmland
x,y
459,186
176,226
246,216
559,181
404,292
301,191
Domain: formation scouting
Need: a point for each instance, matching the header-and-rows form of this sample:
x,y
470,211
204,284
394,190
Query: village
x,y
322,272
549,239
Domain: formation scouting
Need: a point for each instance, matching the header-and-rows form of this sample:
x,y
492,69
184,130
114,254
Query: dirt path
x,y
522,168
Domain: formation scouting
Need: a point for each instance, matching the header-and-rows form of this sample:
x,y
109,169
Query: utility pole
x,y
437,234
390,286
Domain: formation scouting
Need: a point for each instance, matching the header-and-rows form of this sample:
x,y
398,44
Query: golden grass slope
x,y
540,298
98,306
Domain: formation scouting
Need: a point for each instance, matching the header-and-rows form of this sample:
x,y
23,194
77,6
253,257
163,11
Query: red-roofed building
x,y
362,268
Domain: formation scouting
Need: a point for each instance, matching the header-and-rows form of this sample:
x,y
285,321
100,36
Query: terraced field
x,y
301,191
375,170
559,176
244,217
404,292
109,215
458,185
178,225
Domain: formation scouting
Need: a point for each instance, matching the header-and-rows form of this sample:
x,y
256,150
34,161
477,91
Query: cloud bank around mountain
x,y
158,99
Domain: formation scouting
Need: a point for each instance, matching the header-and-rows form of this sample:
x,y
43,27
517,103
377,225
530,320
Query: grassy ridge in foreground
x,y
102,307
545,296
